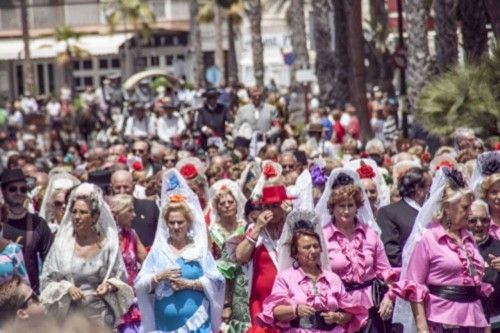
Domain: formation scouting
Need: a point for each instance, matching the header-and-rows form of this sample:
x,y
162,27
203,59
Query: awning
x,y
96,45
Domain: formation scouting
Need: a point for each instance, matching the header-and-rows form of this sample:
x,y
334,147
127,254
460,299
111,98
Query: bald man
x,y
146,211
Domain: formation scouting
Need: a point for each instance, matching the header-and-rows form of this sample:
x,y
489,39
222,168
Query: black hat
x,y
211,92
11,176
241,142
101,178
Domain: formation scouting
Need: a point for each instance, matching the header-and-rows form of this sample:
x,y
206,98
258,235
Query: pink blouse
x,y
358,259
438,260
494,230
292,287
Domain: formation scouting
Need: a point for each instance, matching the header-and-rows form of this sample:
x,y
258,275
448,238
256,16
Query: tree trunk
x,y
195,44
232,65
219,46
253,10
341,90
27,63
325,57
493,10
356,54
418,68
475,35
446,34
299,40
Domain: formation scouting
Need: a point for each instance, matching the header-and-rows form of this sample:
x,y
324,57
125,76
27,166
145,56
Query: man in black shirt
x,y
28,230
212,117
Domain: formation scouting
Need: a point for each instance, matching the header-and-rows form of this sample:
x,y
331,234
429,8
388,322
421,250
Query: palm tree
x,y
341,91
219,45
446,34
139,15
72,51
27,63
296,18
253,9
195,43
418,68
325,57
357,69
475,36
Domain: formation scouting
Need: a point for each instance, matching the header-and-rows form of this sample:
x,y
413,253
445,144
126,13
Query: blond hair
x,y
487,184
451,195
178,207
120,203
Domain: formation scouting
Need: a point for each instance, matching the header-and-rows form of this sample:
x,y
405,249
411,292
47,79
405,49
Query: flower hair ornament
x,y
301,219
342,179
365,171
189,171
177,198
269,171
318,175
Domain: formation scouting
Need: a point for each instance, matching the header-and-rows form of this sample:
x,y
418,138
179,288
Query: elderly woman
x,y
307,296
132,251
442,268
193,171
84,270
179,287
55,198
354,247
479,224
227,221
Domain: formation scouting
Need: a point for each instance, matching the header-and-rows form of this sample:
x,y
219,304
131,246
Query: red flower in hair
x,y
365,171
426,157
189,171
137,166
363,154
445,164
122,159
269,171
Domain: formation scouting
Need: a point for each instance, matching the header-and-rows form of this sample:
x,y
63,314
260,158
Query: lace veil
x,y
365,214
57,181
161,257
235,190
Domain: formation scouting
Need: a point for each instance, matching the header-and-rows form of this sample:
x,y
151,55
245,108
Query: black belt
x,y
460,294
350,286
313,322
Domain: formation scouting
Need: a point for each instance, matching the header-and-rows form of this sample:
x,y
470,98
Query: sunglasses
x,y
483,220
59,204
138,151
22,189
173,161
288,166
32,297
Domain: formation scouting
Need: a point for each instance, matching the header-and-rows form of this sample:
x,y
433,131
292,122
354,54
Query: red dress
x,y
264,273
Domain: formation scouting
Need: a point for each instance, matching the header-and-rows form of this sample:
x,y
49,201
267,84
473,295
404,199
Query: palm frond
x,y
206,14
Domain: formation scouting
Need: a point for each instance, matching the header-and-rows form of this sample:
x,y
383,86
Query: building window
x,y
50,69
103,63
20,79
169,60
180,57
115,63
76,65
41,78
155,61
88,81
78,82
87,64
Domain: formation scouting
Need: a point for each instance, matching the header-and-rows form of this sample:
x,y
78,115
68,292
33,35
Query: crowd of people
x,y
145,212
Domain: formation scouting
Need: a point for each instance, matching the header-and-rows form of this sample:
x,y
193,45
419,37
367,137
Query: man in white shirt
x,y
28,103
53,108
139,125
169,124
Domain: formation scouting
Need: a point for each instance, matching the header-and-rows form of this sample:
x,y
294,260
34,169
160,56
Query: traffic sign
x,y
213,75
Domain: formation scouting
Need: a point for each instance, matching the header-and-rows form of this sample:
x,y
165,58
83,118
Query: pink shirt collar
x,y
331,230
440,233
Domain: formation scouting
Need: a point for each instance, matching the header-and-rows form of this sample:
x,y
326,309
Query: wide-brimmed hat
x,y
211,92
100,178
11,176
274,194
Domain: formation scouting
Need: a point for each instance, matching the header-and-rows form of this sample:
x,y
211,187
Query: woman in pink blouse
x,y
307,297
442,268
355,249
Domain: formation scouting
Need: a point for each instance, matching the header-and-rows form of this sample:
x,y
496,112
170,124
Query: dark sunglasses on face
x,y
59,204
138,151
32,297
169,161
22,189
474,220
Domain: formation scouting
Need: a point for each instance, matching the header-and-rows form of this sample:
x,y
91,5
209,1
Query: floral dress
x,y
12,263
130,321
240,319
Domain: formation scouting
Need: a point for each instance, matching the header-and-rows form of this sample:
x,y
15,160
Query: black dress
x,y
491,276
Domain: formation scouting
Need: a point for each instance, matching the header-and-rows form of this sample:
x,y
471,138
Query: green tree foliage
x,y
467,96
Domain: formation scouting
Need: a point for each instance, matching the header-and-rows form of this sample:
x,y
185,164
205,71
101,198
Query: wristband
x,y
248,236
